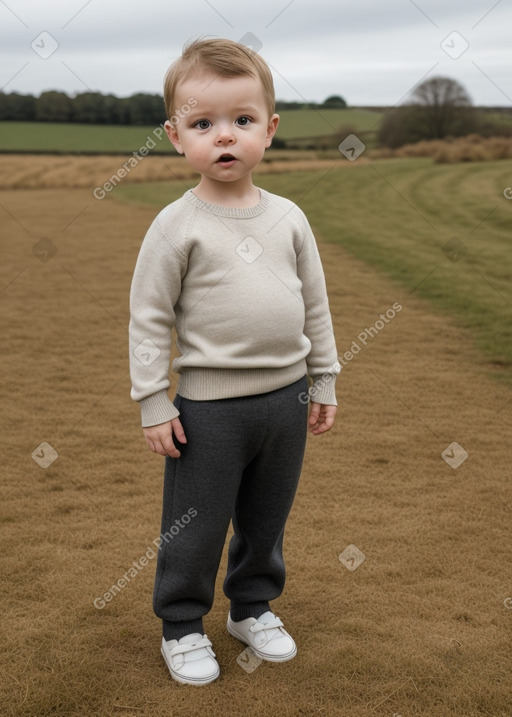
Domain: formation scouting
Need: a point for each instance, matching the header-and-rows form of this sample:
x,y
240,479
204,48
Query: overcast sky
x,y
372,52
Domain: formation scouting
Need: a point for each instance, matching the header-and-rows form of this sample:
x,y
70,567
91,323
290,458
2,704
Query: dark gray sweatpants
x,y
242,461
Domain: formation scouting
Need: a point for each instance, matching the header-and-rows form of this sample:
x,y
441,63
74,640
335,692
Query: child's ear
x,y
271,129
171,132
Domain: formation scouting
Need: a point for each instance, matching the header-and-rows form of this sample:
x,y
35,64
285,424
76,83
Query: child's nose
x,y
225,135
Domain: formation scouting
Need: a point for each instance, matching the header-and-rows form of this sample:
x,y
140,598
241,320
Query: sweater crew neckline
x,y
231,212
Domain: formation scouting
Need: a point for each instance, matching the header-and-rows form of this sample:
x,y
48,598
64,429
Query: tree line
x,y
97,108
86,108
439,107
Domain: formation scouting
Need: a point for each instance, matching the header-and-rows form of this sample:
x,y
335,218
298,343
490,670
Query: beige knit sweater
x,y
245,291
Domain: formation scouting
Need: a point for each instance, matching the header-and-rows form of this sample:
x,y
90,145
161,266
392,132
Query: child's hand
x,y
321,417
159,438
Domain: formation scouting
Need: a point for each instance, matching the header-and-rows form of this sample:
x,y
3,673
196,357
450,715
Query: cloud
x,y
370,52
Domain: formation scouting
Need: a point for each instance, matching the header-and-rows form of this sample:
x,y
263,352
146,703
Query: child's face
x,y
229,120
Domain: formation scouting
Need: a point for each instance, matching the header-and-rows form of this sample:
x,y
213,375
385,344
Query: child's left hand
x,y
321,417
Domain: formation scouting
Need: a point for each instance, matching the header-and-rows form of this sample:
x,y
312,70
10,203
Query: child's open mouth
x,y
227,160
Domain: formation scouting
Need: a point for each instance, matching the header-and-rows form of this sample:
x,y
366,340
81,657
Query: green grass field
x,y
311,123
442,231
62,137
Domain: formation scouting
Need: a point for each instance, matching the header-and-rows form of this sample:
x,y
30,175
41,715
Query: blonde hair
x,y
222,57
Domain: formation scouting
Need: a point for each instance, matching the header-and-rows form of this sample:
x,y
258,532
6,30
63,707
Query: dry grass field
x,y
54,171
421,627
472,148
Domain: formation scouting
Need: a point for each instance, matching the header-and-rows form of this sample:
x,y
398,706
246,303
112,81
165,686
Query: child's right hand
x,y
159,438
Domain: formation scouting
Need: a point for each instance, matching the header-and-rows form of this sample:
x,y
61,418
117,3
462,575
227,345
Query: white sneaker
x,y
265,635
191,659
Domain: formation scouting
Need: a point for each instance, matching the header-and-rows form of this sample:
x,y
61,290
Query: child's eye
x,y
243,121
202,124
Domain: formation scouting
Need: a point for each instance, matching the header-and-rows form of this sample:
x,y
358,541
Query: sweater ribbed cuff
x,y
156,409
322,390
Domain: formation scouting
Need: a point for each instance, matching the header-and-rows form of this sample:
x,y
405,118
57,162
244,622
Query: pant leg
x,y
222,437
256,569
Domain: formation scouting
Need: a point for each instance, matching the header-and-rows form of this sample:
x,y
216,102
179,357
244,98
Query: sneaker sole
x,y
188,680
268,658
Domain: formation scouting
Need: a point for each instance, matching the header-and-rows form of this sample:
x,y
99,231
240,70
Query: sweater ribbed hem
x,y
203,384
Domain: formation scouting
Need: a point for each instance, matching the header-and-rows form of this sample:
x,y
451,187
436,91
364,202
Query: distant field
x,y
62,137
399,216
311,123
502,118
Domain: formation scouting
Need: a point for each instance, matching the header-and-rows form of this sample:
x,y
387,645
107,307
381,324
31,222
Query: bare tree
x,y
439,107
444,106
